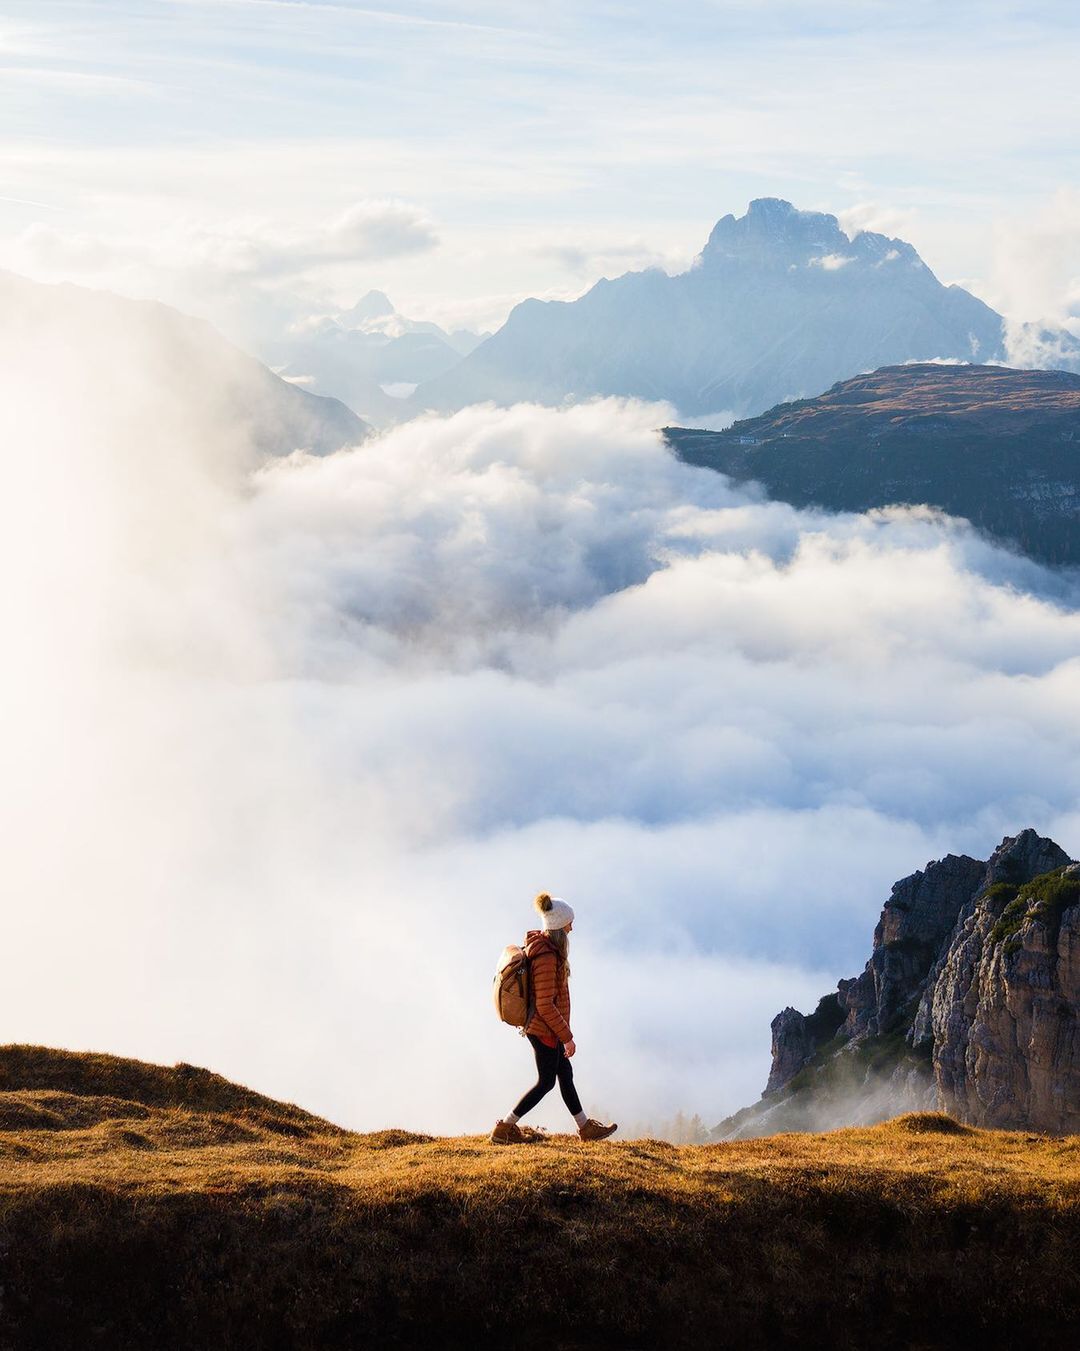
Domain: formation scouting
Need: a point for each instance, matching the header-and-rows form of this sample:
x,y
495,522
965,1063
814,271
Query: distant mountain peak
x,y
780,304
774,207
774,228
775,233
373,305
777,217
371,355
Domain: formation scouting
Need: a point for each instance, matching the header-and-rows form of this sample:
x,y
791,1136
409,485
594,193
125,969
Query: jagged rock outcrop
x,y
1002,1012
796,1038
918,916
792,1047
970,1003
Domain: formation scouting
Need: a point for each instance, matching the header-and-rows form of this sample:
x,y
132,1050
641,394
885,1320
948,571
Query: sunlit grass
x,y
250,1210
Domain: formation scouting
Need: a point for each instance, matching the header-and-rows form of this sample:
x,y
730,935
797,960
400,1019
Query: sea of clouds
x,y
293,744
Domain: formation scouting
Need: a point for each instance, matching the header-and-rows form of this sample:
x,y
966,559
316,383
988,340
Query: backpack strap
x,y
530,1003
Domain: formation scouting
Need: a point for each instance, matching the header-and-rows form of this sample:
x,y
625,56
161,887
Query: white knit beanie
x,y
554,913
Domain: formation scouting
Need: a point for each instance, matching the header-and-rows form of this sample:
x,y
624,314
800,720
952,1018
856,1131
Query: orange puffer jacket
x,y
550,989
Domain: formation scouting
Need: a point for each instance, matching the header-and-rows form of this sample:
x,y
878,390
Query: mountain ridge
x,y
996,446
779,304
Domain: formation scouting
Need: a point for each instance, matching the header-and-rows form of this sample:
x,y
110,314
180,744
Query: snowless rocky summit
x,y
779,304
970,1003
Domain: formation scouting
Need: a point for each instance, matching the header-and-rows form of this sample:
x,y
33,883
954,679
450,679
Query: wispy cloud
x,y
365,231
31,201
345,12
81,81
1036,267
879,217
586,256
831,262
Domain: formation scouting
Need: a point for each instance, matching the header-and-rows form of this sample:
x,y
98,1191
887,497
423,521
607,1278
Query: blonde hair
x,y
558,938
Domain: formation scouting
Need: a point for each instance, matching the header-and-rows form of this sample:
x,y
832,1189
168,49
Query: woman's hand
x,y
569,1048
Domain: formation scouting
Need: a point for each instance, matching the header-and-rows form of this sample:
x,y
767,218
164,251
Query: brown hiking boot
x,y
596,1130
506,1133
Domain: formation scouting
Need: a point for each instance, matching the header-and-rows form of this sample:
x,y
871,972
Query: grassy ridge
x,y
214,1218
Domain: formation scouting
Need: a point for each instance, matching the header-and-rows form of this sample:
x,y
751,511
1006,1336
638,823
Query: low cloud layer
x,y
294,750
1036,263
365,231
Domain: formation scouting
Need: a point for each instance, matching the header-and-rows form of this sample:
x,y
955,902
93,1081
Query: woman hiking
x,y
548,1029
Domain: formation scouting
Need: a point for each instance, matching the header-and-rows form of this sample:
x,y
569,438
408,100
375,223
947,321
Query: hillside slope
x,y
997,446
150,366
146,1207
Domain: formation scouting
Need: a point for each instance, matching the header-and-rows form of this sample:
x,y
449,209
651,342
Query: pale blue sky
x,y
204,150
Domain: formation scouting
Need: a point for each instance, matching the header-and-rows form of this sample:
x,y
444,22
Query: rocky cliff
x,y
970,1003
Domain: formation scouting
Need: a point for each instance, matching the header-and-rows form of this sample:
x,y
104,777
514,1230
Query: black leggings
x,y
551,1064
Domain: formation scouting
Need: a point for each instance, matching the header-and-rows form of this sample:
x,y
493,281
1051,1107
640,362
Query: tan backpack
x,y
513,989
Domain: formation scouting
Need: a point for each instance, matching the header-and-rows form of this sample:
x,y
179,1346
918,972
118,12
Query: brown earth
x,y
993,397
144,1207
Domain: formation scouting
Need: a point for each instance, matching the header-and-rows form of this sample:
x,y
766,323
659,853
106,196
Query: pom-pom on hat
x,y
554,913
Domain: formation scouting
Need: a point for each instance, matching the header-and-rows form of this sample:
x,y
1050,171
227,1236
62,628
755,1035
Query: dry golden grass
x,y
146,1207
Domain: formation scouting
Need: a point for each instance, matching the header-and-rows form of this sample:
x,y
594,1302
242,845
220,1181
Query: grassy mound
x,y
174,1220
86,1078
930,1123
